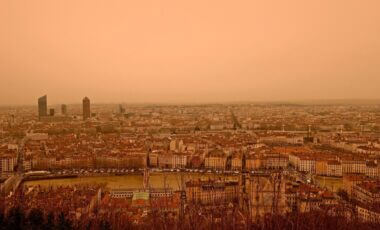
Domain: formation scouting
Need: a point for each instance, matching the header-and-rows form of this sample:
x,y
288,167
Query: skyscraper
x,y
121,109
86,108
63,109
42,106
51,112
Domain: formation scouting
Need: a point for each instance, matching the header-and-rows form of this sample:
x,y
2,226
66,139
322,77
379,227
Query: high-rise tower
x,y
86,108
63,109
51,113
42,106
121,109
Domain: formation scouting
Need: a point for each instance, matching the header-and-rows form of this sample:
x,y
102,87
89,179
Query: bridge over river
x,y
11,184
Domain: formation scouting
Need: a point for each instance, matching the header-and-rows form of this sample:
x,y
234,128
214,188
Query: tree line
x,y
196,218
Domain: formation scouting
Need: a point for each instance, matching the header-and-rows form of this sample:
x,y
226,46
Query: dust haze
x,y
188,51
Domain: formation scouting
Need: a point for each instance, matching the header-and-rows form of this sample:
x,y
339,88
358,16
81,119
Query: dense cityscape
x,y
189,115
194,166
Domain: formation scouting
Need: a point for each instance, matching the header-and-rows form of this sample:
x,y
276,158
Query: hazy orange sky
x,y
188,51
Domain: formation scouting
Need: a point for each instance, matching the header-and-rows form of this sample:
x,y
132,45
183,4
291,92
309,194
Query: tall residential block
x,y
51,112
86,108
63,109
42,106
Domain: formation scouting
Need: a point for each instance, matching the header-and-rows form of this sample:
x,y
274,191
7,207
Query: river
x,y
157,180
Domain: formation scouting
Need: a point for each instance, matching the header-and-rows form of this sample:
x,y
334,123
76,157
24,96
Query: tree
x,y
35,219
63,223
2,223
15,219
89,225
105,225
343,194
49,223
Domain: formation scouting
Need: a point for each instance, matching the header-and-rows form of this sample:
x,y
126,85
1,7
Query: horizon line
x,y
276,101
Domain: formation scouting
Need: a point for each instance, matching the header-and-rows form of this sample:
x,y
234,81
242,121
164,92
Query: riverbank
x,y
48,177
157,180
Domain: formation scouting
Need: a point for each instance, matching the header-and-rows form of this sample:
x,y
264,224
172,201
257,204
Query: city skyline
x,y
315,101
172,114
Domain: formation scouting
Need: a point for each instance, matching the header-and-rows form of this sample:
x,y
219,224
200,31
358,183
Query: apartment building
x,y
334,168
276,161
153,160
367,192
372,170
350,180
321,167
252,163
165,160
179,160
353,166
306,164
8,163
236,163
216,160
368,213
